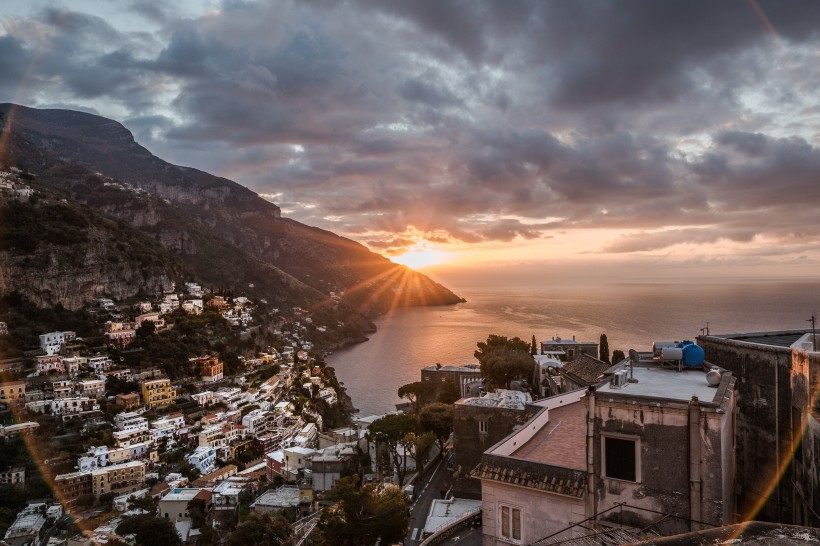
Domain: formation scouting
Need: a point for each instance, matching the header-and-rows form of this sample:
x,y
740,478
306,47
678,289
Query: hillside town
x,y
572,445
115,439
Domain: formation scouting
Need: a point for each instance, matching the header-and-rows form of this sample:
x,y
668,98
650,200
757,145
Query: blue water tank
x,y
693,355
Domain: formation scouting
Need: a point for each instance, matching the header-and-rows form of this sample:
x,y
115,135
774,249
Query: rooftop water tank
x,y
693,355
658,346
671,353
713,377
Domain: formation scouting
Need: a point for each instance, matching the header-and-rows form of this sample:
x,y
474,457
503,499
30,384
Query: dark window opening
x,y
619,459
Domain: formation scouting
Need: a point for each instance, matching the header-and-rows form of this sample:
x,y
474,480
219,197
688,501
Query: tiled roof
x,y
572,483
603,537
586,368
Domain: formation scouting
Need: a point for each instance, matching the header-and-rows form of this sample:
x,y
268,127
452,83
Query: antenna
x,y
634,358
813,321
705,329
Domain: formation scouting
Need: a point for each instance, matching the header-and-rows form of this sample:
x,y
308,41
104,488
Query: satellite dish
x,y
633,356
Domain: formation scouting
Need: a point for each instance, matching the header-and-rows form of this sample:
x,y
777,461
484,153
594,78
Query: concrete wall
x,y
776,389
662,430
543,513
469,443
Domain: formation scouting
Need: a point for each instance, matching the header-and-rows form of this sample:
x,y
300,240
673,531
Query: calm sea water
x,y
631,315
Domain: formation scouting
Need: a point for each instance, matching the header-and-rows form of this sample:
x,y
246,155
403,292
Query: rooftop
x,y
801,339
586,368
655,381
182,494
562,442
755,533
443,512
499,399
278,498
468,368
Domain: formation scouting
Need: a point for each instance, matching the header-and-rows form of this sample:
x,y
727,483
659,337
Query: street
x,y
427,489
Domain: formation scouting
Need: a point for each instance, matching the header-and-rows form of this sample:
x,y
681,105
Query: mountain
x,y
210,228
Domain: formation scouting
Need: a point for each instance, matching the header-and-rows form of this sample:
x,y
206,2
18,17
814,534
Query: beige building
x,y
13,392
92,388
174,505
120,479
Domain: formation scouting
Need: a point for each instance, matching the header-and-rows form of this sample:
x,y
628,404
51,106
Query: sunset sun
x,y
419,257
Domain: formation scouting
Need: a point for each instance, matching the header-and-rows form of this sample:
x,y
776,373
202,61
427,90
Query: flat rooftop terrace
x,y
667,382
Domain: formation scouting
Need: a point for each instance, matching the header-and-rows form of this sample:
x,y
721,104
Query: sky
x,y
581,140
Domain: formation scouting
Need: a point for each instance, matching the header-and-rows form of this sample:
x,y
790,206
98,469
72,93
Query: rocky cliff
x,y
215,230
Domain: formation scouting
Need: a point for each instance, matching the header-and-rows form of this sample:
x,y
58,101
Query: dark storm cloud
x,y
14,59
651,52
467,121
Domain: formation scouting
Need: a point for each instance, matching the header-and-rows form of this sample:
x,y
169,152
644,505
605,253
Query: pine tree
x,y
534,348
603,349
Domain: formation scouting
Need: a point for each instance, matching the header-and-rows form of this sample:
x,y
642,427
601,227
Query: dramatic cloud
x,y
666,123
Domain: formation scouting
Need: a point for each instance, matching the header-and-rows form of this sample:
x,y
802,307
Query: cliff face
x,y
55,252
224,234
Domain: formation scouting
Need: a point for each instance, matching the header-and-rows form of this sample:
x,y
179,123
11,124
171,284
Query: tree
x,y
150,530
197,509
145,503
496,343
438,420
449,393
617,356
146,329
503,360
107,500
417,393
397,434
85,500
261,529
533,347
374,513
603,348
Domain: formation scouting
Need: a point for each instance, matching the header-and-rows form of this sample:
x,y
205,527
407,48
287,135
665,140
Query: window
x,y
620,458
510,522
482,427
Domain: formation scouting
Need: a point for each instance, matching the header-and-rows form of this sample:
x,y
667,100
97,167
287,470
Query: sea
x,y
632,315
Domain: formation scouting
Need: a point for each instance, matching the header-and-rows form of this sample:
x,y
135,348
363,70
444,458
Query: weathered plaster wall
x,y
469,443
771,382
543,513
663,486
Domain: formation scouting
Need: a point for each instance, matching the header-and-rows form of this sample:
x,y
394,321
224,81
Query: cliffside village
x,y
223,420
683,437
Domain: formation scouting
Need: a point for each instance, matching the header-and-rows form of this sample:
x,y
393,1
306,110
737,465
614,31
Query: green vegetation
x,y
617,356
26,322
503,360
188,336
603,348
374,513
261,529
27,226
150,531
418,393
395,432
437,419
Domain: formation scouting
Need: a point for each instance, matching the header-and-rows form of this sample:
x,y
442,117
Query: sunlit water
x,y
632,316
